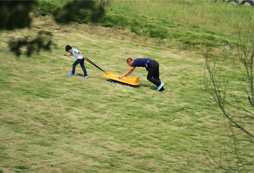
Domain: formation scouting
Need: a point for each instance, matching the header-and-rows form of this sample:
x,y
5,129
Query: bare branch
x,y
235,148
250,101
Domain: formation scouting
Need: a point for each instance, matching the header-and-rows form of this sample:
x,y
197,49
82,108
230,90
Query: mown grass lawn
x,y
51,122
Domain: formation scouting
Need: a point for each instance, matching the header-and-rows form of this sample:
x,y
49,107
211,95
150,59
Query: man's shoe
x,y
86,77
161,85
70,74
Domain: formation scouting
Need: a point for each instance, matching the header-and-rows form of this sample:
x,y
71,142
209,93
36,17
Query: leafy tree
x,y
16,15
79,11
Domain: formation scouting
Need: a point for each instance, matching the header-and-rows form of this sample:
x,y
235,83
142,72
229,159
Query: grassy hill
x,y
51,122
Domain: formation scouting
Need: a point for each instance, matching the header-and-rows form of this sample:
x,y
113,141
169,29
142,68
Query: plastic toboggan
x,y
127,80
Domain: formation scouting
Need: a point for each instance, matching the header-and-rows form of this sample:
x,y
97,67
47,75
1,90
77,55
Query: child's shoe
x,y
70,74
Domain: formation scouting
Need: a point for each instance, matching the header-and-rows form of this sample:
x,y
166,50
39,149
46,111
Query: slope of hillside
x,y
51,122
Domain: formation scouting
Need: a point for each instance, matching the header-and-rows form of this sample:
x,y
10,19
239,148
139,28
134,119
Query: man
x,y
80,58
151,66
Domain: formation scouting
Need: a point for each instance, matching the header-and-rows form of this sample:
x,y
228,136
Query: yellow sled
x,y
127,80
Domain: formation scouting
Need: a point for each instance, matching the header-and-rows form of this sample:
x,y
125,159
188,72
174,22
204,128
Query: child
x,y
80,60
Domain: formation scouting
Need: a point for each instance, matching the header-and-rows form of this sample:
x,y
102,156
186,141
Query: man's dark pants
x,y
81,62
154,74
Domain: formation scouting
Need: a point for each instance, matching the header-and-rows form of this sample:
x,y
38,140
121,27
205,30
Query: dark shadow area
x,y
15,14
79,11
79,74
117,82
148,86
41,42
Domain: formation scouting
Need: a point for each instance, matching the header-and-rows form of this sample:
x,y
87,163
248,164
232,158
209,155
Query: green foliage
x,y
46,8
157,33
71,10
79,11
116,20
15,14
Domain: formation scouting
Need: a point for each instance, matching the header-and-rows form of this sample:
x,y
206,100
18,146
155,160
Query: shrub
x,y
157,33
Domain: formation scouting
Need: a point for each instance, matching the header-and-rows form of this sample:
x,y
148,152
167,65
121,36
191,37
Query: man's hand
x,y
127,73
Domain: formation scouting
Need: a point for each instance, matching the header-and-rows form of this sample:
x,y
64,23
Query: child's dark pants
x,y
81,62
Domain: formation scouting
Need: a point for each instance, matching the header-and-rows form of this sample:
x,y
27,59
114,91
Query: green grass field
x,y
216,17
51,122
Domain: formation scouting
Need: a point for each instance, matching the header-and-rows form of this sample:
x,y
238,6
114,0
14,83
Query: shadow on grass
x,y
116,82
79,74
148,86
